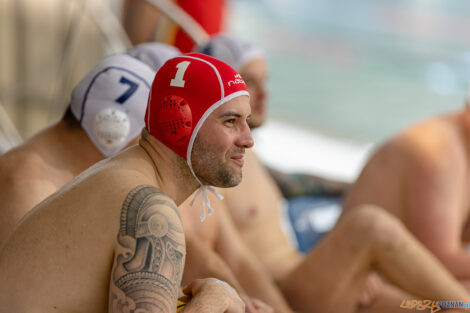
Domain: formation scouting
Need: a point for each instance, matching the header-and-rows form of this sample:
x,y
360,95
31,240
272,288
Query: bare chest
x,y
206,230
250,205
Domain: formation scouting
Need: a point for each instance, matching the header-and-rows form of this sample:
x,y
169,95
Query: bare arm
x,y
149,254
139,20
435,212
202,261
250,273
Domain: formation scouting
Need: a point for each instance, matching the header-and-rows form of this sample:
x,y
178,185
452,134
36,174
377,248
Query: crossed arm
x,y
249,271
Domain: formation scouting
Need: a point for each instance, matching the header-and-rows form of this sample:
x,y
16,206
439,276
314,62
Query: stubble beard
x,y
210,170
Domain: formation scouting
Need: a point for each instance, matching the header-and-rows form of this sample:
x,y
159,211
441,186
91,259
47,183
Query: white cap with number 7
x,y
110,101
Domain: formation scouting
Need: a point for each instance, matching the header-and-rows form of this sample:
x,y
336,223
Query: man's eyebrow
x,y
231,114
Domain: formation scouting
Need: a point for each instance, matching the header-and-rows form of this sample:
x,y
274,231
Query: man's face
x,y
218,152
255,74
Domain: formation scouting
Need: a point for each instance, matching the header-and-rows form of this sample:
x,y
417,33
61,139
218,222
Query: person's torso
x,y
254,206
385,180
207,231
59,258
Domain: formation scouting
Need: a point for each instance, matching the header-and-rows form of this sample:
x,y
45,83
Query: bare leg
x,y
333,275
388,300
391,299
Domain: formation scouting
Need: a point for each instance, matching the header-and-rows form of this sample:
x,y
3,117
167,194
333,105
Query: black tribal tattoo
x,y
147,273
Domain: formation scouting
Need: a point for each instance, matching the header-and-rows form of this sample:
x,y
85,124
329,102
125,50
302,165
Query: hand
x,y
372,288
212,296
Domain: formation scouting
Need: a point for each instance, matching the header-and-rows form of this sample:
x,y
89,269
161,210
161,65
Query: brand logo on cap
x,y
236,80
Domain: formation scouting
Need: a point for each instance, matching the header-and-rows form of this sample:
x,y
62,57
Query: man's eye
x,y
230,121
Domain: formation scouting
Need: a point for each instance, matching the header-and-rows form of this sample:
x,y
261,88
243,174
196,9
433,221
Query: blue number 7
x,y
129,92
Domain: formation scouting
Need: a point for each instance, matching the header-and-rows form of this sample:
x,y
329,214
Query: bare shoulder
x,y
145,197
436,144
415,155
23,179
21,163
432,142
150,253
14,161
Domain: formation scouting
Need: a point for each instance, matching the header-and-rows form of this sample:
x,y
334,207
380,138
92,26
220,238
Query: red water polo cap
x,y
185,91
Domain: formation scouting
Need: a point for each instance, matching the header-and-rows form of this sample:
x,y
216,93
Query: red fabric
x,y
201,90
210,14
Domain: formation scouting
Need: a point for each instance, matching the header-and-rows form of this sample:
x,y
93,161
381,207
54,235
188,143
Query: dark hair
x,y
70,119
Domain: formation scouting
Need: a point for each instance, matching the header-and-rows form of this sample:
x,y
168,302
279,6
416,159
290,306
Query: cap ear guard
x,y
111,129
175,121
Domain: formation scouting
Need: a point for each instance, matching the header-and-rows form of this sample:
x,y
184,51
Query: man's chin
x,y
225,182
233,182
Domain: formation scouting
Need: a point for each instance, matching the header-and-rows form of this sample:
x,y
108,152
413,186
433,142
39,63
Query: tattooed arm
x,y
149,254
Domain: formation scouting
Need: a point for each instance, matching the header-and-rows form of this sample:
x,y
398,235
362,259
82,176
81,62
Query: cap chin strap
x,y
205,199
203,189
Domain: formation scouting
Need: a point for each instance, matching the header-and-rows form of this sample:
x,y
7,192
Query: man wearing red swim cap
x,y
339,274
112,239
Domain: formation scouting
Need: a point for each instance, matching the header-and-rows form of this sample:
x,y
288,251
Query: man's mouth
x,y
239,159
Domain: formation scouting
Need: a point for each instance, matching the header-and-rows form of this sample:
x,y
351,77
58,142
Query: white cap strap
x,y
205,200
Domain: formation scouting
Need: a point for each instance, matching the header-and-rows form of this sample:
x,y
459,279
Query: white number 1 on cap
x,y
178,80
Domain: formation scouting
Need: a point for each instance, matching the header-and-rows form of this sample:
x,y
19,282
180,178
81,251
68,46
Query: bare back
x,y
60,257
419,153
380,182
422,176
26,181
38,168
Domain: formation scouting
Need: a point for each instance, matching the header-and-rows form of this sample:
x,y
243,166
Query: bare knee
x,y
376,228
